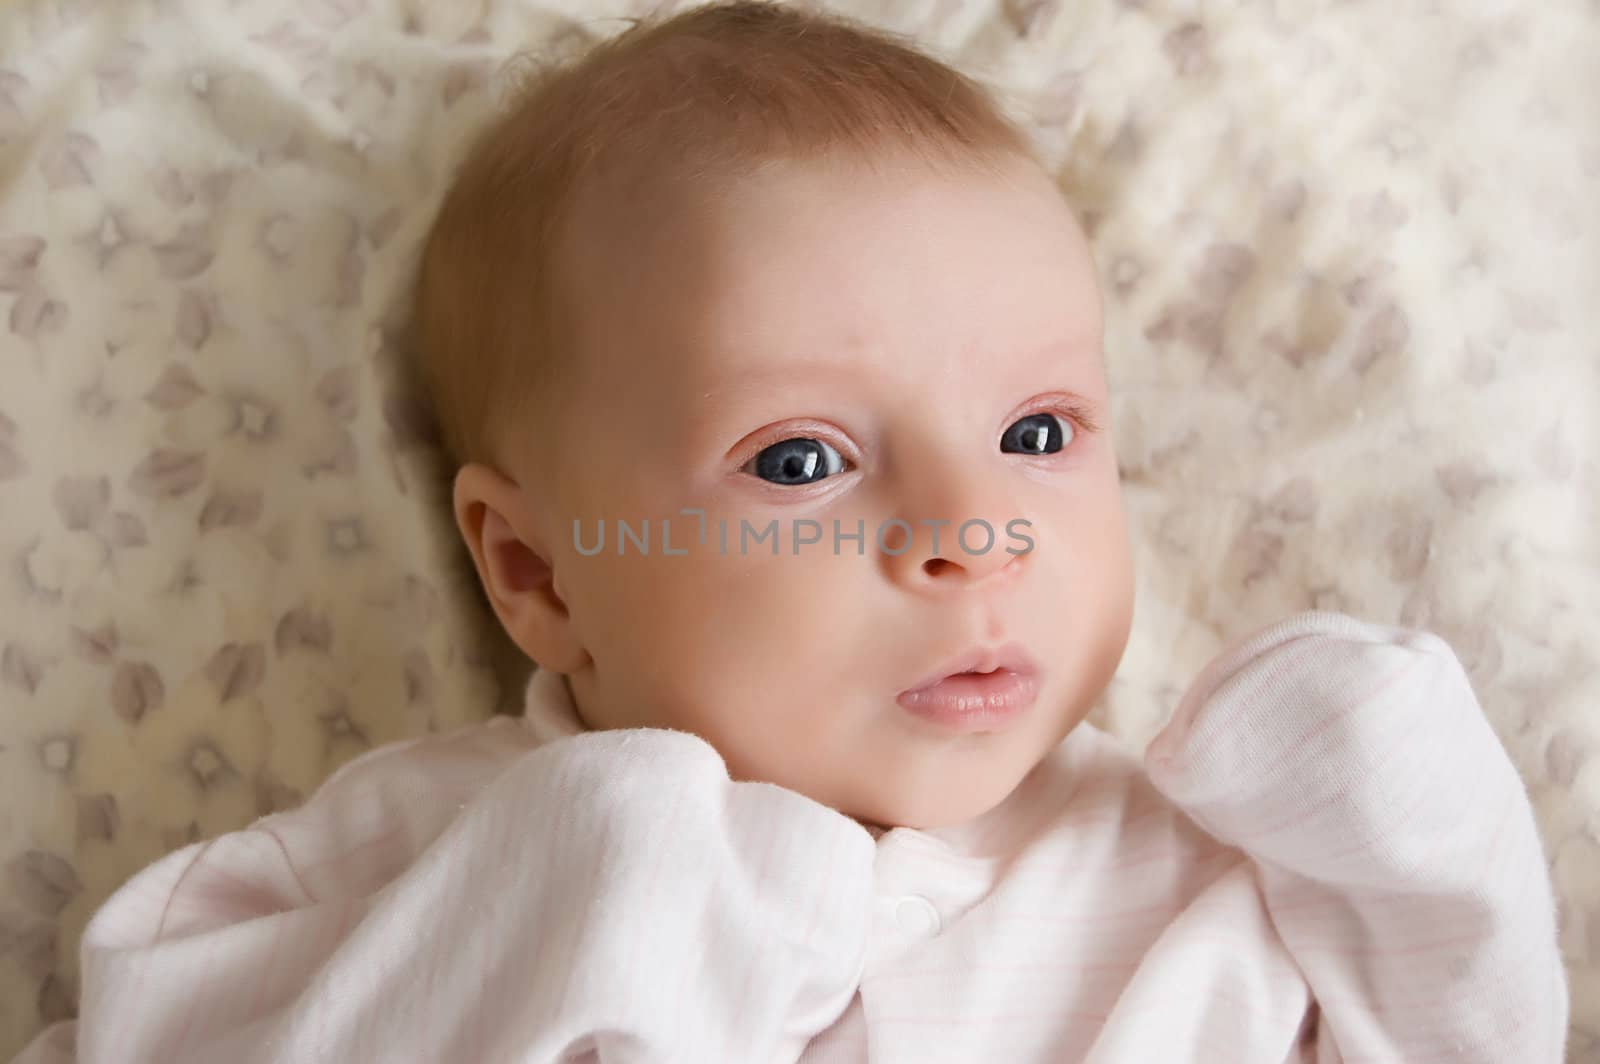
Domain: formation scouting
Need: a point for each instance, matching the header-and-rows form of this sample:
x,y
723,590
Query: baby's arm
x,y
1398,854
612,893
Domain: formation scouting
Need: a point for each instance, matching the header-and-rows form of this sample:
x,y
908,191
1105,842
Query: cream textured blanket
x,y
1351,258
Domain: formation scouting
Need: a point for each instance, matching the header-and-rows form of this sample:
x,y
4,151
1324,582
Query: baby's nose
x,y
932,554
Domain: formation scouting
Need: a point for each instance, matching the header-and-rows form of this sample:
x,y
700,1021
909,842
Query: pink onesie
x,y
1325,856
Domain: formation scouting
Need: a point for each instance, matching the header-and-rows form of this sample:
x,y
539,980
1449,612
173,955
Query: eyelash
x,y
1075,413
796,432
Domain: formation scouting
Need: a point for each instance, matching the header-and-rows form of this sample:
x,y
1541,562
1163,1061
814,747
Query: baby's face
x,y
831,347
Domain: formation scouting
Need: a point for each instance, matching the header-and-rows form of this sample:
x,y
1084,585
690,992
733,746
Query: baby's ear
x,y
496,519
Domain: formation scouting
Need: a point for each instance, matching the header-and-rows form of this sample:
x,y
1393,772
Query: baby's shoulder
x,y
410,778
378,811
470,750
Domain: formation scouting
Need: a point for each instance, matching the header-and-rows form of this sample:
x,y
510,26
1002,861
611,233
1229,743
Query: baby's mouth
x,y
978,666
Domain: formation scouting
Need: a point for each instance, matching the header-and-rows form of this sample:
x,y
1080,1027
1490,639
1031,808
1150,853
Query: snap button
x,y
916,915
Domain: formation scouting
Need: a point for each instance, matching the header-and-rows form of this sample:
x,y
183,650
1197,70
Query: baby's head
x,y
790,275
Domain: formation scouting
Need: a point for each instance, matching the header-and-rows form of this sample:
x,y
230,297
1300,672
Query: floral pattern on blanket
x,y
1350,264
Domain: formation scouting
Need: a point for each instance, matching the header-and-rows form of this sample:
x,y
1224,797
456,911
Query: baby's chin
x,y
929,812
880,793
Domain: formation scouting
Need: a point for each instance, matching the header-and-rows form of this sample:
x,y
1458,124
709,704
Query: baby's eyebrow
x,y
1051,354
788,372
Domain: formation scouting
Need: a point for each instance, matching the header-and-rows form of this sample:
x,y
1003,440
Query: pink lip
x,y
978,691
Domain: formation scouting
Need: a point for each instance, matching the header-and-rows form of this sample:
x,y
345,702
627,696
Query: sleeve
x,y
1397,851
610,897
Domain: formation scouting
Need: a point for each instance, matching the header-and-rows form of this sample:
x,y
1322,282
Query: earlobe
x,y
497,520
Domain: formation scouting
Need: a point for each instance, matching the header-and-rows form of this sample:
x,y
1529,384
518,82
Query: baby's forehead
x,y
803,264
626,196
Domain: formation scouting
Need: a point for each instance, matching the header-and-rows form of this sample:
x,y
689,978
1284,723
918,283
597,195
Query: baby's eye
x,y
798,461
1037,434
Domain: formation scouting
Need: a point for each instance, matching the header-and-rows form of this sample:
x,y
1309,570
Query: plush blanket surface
x,y
1351,254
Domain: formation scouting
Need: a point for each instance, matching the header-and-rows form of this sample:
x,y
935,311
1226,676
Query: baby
x,y
771,359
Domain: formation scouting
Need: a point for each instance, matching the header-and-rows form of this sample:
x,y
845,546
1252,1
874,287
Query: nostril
x,y
936,566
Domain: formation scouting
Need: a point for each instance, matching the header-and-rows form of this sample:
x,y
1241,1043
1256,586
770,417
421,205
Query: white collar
x,y
548,708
